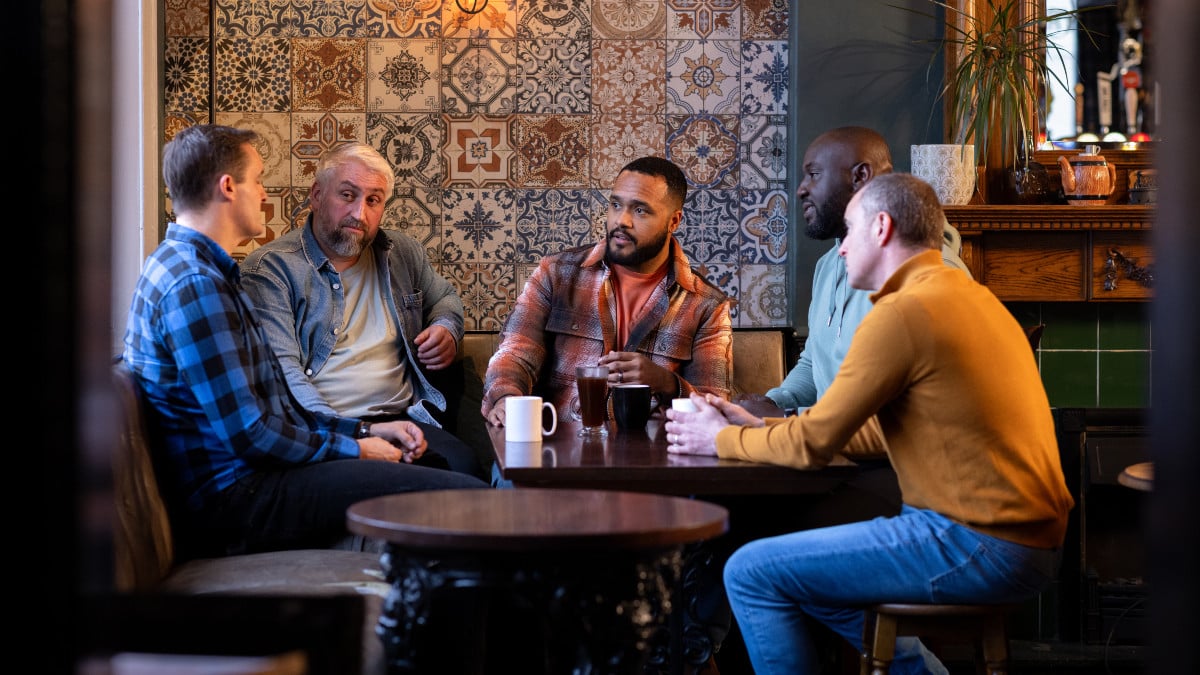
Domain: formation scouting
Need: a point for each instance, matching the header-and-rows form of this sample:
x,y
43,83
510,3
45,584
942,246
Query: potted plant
x,y
998,63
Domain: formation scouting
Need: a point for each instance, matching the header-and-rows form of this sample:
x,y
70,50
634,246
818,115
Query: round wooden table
x,y
584,579
1138,476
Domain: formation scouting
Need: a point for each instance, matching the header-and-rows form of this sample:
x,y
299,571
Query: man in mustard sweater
x,y
969,431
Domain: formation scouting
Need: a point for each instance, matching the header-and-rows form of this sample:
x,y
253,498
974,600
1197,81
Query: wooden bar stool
x,y
982,625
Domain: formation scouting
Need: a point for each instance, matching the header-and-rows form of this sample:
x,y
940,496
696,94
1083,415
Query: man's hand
x,y
759,405
695,433
637,368
496,415
736,414
436,347
405,438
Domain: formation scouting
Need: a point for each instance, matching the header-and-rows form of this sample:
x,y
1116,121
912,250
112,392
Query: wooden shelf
x,y
1059,253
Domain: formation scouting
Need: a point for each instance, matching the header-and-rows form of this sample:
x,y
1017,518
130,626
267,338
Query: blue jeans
x,y
776,585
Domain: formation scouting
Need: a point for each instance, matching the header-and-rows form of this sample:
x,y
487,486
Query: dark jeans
x,y
446,451
302,507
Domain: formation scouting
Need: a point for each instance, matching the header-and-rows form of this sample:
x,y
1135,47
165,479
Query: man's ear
x,y
883,228
676,221
861,174
226,186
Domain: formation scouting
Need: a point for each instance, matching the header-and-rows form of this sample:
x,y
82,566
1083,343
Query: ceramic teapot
x,y
1087,178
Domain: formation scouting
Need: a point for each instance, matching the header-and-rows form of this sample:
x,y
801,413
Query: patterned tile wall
x,y
507,127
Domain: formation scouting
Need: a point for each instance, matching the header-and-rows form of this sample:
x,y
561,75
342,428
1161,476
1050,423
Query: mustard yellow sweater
x,y
953,380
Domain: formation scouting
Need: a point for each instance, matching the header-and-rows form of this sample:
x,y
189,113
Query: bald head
x,y
837,164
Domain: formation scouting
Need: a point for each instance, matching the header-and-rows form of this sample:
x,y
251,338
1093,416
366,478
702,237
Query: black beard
x,y
830,221
639,255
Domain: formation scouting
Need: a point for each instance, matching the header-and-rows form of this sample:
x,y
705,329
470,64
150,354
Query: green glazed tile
x,y
1069,325
1124,325
1069,378
1124,379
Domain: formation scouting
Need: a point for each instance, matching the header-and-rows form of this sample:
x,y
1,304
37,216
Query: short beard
x,y
830,220
640,254
344,244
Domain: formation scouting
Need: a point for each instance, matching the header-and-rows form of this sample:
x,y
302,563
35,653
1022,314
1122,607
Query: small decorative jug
x,y
1087,178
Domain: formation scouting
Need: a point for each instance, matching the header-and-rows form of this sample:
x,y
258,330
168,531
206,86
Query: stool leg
x,y
883,644
995,645
864,650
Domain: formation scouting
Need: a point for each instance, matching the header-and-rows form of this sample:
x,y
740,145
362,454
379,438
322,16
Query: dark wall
x,y
858,62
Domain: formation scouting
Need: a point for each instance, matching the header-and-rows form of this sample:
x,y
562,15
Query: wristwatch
x,y
363,430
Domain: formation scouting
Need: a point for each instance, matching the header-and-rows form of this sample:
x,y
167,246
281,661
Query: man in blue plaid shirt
x,y
246,467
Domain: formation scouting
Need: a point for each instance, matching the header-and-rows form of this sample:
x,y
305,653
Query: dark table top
x,y
638,461
532,520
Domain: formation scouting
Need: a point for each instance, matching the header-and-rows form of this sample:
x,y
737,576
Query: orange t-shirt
x,y
632,290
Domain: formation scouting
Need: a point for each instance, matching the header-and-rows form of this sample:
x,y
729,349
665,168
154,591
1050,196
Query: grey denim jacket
x,y
300,301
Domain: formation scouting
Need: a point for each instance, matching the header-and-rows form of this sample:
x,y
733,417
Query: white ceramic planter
x,y
949,168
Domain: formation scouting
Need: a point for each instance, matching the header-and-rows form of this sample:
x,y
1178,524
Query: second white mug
x,y
523,419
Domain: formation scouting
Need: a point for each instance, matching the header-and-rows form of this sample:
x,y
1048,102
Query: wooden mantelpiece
x,y
1059,253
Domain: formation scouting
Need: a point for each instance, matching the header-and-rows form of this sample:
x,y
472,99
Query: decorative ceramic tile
x,y
724,277
567,19
254,75
406,18
764,19
619,139
763,151
274,143
256,18
552,150
764,297
629,76
764,226
706,148
322,18
764,78
720,19
479,76
497,20
702,76
556,76
275,211
174,122
477,151
551,221
185,74
329,74
487,291
479,225
314,133
521,274
402,76
417,213
187,18
710,226
621,19
412,143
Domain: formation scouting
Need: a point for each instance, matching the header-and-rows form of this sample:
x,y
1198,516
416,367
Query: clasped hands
x,y
695,433
399,441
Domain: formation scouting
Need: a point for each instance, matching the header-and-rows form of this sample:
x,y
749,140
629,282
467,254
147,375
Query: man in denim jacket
x,y
354,333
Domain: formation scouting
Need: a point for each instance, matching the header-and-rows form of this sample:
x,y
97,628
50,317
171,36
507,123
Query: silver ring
x,y
620,376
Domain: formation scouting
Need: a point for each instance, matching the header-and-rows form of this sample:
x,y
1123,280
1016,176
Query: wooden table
x,y
638,461
1138,476
594,571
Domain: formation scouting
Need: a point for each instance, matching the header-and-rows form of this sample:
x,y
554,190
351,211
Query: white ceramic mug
x,y
683,405
523,419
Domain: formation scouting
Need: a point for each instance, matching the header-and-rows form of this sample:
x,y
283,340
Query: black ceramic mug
x,y
630,405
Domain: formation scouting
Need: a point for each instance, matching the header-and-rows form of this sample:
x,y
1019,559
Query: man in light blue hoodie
x,y
836,165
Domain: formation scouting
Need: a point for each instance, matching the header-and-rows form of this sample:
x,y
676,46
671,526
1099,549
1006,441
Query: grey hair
x,y
912,204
